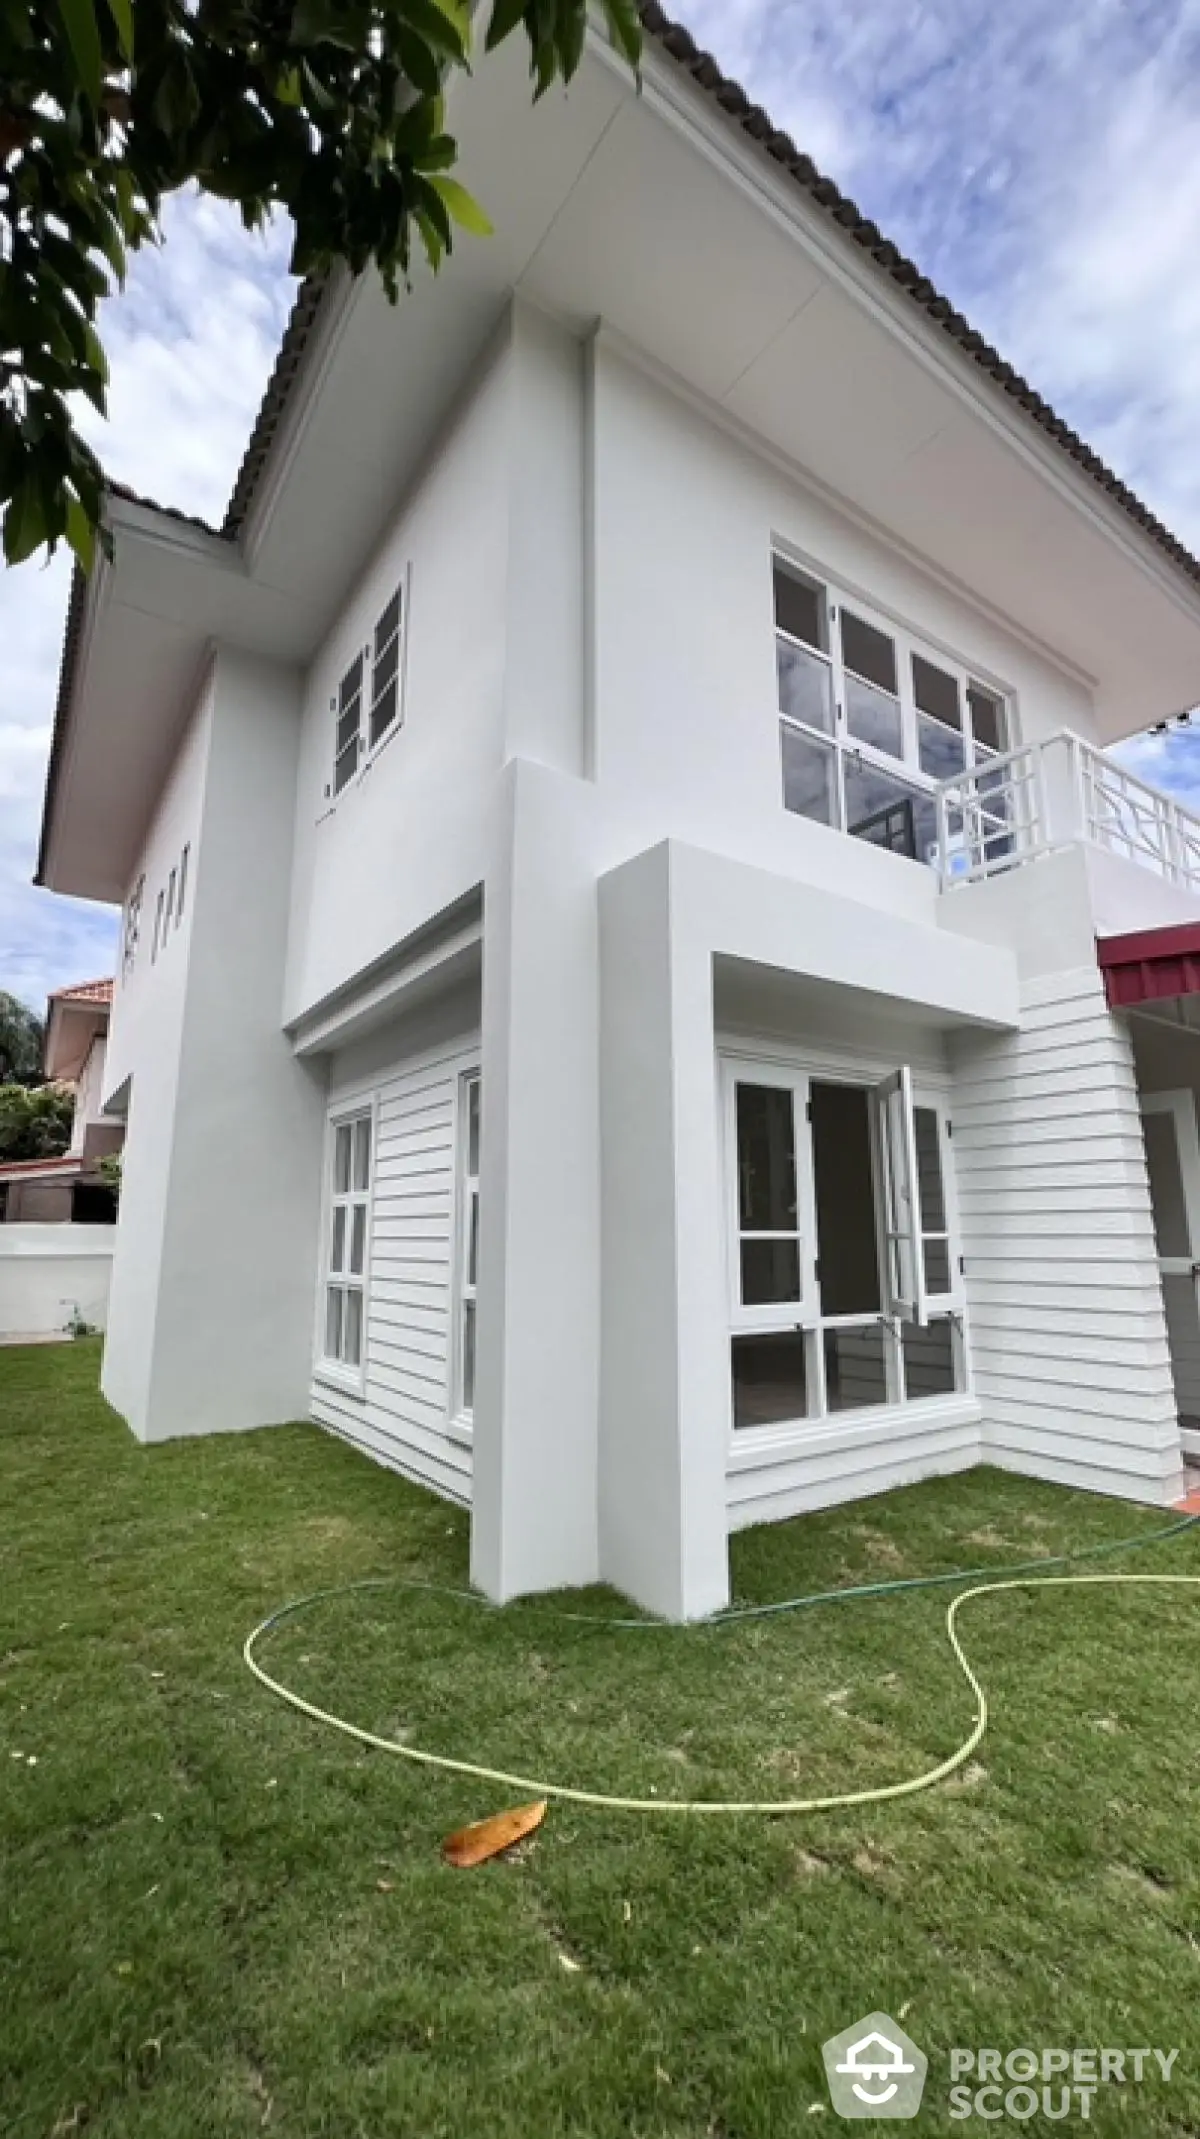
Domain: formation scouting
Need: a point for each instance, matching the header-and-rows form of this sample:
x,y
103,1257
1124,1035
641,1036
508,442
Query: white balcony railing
x,y
1049,795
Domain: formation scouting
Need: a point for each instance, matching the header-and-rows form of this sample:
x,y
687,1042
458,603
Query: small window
x,y
385,669
343,1336
468,1246
169,910
347,707
133,926
183,876
158,917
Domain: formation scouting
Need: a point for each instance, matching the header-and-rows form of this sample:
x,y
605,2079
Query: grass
x,y
217,1919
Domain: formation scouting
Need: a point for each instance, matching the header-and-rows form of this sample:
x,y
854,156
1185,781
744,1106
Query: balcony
x,y
1055,794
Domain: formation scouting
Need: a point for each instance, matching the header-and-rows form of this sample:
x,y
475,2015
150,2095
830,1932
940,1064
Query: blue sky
x,y
1042,165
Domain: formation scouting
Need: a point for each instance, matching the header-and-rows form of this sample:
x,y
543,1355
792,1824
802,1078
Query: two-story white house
x,y
642,1004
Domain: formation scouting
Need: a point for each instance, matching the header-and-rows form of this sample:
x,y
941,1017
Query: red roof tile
x,y
85,991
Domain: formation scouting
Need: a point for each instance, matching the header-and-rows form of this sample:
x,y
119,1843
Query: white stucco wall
x,y
50,1272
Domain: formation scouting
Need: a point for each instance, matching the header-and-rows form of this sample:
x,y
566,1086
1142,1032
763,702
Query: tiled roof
x,y
85,991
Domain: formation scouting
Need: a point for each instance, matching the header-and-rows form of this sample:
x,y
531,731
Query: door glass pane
x,y
809,776
844,1182
341,1160
333,1322
873,717
770,1272
855,1368
337,1251
352,1328
805,685
770,1379
929,1171
766,1151
930,1360
889,812
937,1265
468,1355
799,607
358,1238
362,1155
942,751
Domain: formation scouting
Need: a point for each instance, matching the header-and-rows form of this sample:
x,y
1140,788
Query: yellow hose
x,y
602,1801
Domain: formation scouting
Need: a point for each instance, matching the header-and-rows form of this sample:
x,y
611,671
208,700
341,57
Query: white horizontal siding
x,y
402,1417
1068,1340
836,1462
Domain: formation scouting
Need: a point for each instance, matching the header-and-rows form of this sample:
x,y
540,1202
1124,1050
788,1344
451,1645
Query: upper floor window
x,y
367,705
869,721
133,926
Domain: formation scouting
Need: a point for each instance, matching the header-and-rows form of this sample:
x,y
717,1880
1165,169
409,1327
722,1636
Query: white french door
x,y
1172,1142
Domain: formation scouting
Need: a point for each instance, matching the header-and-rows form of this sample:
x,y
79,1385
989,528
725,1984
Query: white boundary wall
x,y
47,1271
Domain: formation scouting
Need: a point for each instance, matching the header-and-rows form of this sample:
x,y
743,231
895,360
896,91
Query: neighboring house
x,y
613,838
71,1189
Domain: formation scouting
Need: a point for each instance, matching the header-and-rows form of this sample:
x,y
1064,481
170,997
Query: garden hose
x,y
1008,1579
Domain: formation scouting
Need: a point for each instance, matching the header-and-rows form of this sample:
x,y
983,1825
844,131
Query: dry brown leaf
x,y
490,1838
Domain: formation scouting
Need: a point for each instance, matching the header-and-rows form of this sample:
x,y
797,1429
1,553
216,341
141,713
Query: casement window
x,y
344,1317
845,1283
467,1246
869,721
368,702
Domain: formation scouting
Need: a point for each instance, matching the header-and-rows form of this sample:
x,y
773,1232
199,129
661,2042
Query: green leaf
x,y
80,533
461,205
25,521
431,238
83,37
122,14
506,14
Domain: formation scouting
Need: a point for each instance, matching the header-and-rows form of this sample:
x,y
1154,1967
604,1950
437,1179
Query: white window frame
x,y
465,1290
336,1373
367,751
740,1065
906,769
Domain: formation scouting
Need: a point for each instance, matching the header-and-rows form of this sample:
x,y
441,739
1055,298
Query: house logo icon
x,y
874,2070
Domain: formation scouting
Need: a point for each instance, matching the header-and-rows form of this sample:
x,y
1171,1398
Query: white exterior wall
x,y
49,1272
89,1094
1070,1345
411,1076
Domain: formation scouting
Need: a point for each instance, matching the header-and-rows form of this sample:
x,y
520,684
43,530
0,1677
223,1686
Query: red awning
x,y
1151,966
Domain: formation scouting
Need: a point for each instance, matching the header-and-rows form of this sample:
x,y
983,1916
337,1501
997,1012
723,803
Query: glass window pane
x,y
855,1368
351,684
1171,1231
473,1127
383,711
937,1265
936,692
358,1239
805,685
868,652
387,629
844,1185
362,1155
929,1170
930,1360
337,1250
942,751
341,1160
468,1355
352,1328
872,717
766,1159
809,776
770,1379
473,1239
888,812
333,1322
770,1272
799,607
987,718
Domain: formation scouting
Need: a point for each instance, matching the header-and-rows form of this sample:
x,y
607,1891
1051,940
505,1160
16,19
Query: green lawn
x,y
216,1918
